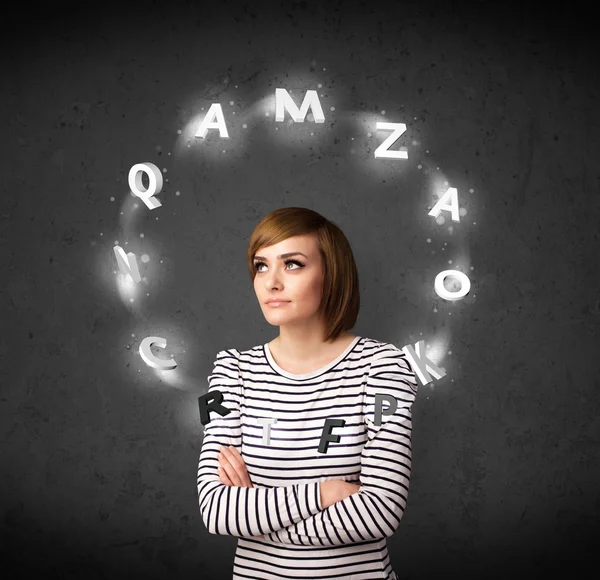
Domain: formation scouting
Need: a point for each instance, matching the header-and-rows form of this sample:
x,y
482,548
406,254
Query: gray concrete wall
x,y
99,451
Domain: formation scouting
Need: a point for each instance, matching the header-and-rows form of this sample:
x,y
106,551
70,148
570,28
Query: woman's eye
x,y
257,265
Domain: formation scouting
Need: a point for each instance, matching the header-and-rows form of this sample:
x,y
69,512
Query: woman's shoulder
x,y
229,357
376,348
228,353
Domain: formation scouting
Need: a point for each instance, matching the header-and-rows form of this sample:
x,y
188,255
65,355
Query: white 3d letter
x,y
127,263
440,289
155,180
283,99
215,111
421,364
449,196
150,359
382,151
266,422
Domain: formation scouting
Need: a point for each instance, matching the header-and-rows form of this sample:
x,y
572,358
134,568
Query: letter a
x,y
215,111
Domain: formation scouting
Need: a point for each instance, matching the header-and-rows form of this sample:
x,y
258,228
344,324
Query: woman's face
x,y
300,280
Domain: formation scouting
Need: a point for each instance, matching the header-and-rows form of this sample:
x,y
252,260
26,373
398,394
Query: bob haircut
x,y
340,301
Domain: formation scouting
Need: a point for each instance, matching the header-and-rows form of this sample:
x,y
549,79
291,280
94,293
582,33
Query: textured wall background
x,y
99,453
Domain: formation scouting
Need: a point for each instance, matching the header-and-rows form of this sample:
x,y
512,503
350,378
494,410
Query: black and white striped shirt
x,y
282,528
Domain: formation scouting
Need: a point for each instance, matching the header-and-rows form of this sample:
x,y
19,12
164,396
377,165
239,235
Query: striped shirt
x,y
282,529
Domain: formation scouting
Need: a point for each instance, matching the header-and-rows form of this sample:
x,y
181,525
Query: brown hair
x,y
340,301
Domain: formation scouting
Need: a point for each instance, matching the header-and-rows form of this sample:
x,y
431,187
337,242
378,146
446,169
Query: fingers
x,y
233,463
234,457
229,469
223,476
235,453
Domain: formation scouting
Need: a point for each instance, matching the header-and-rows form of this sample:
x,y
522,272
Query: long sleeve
x,y
242,511
376,510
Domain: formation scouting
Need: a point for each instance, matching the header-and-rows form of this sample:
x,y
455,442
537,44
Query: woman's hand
x,y
232,470
335,490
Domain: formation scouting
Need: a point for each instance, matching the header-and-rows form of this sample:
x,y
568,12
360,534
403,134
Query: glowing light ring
x,y
214,119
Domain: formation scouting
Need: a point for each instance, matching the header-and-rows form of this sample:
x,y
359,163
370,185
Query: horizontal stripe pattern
x,y
282,529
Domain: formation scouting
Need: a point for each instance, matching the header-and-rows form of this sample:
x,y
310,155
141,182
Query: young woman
x,y
303,470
